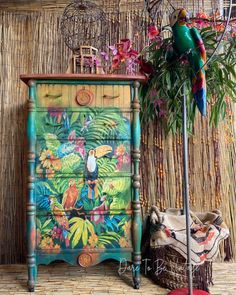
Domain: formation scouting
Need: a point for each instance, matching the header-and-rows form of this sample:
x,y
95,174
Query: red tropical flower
x,y
152,32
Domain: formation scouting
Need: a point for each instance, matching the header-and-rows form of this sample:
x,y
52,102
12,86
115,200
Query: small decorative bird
x,y
92,168
188,41
70,196
60,217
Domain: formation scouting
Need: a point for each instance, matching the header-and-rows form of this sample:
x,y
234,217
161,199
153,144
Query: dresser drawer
x,y
90,124
61,232
63,95
110,194
55,158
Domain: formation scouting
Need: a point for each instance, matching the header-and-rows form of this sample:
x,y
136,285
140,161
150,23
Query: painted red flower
x,y
56,113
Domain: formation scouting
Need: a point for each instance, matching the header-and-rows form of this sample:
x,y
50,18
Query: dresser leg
x,y
136,280
136,275
31,289
32,277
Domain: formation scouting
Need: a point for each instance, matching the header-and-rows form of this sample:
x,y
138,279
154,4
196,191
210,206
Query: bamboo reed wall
x,y
31,43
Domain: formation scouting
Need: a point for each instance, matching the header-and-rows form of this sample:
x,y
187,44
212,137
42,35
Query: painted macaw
x,y
70,196
188,41
65,149
60,217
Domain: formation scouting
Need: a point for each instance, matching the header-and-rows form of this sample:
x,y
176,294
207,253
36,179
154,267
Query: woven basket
x,y
169,270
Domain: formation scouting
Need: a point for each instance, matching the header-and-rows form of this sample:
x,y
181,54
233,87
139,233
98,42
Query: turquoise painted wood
x,y
83,186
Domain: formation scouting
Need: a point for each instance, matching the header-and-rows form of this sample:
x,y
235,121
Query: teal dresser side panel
x,y
31,204
137,222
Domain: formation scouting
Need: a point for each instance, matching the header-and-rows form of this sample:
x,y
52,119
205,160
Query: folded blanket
x,y
207,231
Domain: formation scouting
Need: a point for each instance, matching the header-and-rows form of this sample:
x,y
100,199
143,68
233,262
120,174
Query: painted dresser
x,y
83,185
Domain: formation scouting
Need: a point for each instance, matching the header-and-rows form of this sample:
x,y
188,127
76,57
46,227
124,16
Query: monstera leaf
x,y
115,186
118,203
70,163
108,123
52,142
106,166
60,184
109,238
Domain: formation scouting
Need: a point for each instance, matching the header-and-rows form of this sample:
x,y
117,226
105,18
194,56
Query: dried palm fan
x,y
83,23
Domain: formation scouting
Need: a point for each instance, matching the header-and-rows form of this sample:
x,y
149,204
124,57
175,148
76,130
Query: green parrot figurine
x,y
188,41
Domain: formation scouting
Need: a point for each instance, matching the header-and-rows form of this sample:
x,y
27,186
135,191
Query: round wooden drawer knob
x,y
85,259
84,97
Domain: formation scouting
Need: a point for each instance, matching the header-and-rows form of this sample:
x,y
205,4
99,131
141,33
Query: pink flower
x,y
132,53
80,146
162,113
113,49
72,136
116,61
55,113
234,30
158,102
160,107
119,165
67,241
105,55
123,52
152,32
126,44
202,14
126,159
153,93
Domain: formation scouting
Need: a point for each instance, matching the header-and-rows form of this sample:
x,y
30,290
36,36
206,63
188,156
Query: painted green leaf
x,y
38,223
106,166
114,186
60,184
90,226
118,203
46,231
74,117
70,163
76,230
85,234
110,238
50,187
52,142
46,223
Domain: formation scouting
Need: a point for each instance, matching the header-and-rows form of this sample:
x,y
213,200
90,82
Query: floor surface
x,y
62,279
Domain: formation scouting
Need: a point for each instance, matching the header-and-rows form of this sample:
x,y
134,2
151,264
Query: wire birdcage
x,y
83,23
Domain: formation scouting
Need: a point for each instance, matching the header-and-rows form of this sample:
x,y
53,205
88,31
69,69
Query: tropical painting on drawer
x,y
83,187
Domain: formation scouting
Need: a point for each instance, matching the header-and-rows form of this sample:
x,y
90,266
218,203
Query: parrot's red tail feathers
x,y
199,91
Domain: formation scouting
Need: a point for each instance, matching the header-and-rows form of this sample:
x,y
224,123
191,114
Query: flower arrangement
x,y
120,57
162,95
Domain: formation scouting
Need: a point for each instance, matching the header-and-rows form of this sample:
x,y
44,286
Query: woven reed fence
x,y
31,43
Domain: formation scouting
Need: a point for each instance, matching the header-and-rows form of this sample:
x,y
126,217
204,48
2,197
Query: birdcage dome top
x,y
82,23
